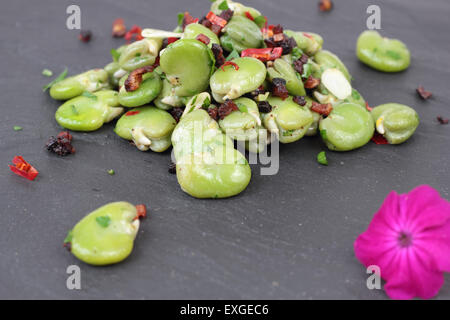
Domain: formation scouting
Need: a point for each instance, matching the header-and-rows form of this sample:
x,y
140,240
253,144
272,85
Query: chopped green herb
x,y
288,133
17,128
393,54
47,72
296,53
232,55
180,17
260,21
323,134
89,95
68,237
103,221
206,103
223,5
307,70
242,107
355,95
322,158
115,54
111,172
57,79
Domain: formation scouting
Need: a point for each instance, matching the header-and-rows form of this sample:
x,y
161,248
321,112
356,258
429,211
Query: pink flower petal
x,y
437,242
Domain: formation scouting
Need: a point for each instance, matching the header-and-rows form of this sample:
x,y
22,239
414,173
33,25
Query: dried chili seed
x,y
118,28
423,93
442,120
325,5
323,109
176,113
264,107
226,14
226,108
311,82
202,38
279,88
61,145
85,35
172,168
134,80
277,29
218,54
213,113
300,100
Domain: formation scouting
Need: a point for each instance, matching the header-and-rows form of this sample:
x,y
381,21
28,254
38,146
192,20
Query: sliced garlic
x,y
335,81
159,34
380,125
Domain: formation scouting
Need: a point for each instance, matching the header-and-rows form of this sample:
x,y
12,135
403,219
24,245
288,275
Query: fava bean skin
x,y
208,166
148,90
89,113
396,122
92,80
106,235
241,33
383,54
188,64
349,126
148,127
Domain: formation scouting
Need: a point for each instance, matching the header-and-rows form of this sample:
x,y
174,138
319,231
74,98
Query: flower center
x,y
405,239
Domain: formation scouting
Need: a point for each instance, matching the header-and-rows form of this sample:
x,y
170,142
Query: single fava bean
x,y
284,70
207,164
148,127
194,29
310,43
89,113
383,54
396,122
106,235
111,69
230,83
238,8
288,120
188,64
349,126
148,90
166,99
243,124
139,54
91,81
241,33
327,60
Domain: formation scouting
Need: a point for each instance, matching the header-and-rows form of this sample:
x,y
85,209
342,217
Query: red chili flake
x,y
279,88
218,54
141,211
325,5
132,113
61,145
176,113
202,38
423,93
172,168
369,108
216,19
134,80
213,113
311,82
442,120
85,35
323,109
226,108
134,32
188,19
263,54
300,100
172,40
23,168
308,35
249,16
379,139
230,63
118,28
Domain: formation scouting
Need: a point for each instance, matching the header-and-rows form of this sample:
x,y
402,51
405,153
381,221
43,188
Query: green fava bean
x,y
207,164
383,54
148,90
229,83
241,33
139,54
396,122
148,127
284,70
287,120
106,235
194,29
188,65
89,113
349,126
308,42
111,69
326,60
167,99
242,125
92,80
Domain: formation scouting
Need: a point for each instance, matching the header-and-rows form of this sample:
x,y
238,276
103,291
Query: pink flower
x,y
409,240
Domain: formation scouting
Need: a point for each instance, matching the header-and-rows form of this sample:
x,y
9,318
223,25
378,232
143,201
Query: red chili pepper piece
x,y
216,19
264,54
379,139
249,16
135,32
276,53
23,168
132,113
307,35
202,38
368,107
171,40
118,28
230,63
141,211
188,19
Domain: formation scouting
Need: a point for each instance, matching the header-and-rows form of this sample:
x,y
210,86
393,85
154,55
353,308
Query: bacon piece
x,y
300,100
188,19
218,54
311,82
226,108
202,38
213,113
135,78
323,109
423,93
279,88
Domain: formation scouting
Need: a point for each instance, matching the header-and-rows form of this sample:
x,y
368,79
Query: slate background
x,y
288,236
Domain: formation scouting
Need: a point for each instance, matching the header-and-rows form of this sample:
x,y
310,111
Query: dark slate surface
x,y
287,236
